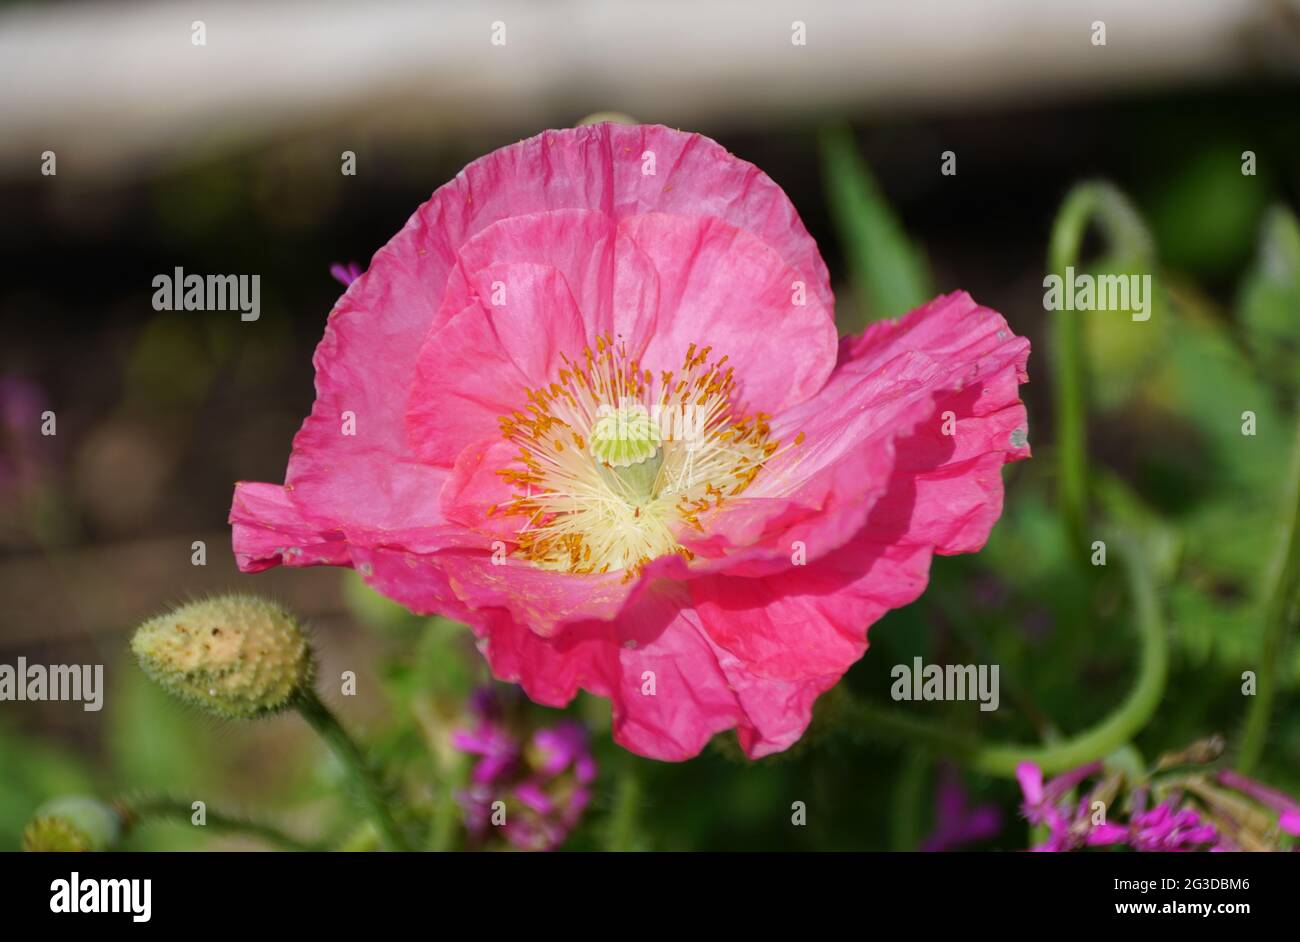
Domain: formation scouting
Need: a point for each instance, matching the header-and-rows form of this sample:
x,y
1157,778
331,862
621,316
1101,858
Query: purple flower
x,y
956,824
543,790
499,751
1287,808
1193,814
1165,828
1068,828
345,274
563,746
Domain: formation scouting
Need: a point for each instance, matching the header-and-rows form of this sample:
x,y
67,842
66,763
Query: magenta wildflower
x,y
565,746
497,749
1196,811
1167,828
1287,808
345,274
1070,825
956,823
533,790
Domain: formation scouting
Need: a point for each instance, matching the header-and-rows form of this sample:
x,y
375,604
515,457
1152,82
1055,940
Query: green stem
x,y
447,814
1071,427
1096,743
904,823
365,782
1281,607
1126,237
621,826
170,809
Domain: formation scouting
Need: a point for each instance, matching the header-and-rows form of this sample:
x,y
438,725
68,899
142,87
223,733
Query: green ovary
x,y
626,440
624,436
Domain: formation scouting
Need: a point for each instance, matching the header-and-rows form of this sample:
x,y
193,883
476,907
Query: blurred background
x,y
225,157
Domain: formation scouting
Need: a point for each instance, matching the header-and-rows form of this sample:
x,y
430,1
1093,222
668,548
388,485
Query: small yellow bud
x,y
72,824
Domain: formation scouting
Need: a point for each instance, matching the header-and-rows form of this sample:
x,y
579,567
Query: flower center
x,y
616,460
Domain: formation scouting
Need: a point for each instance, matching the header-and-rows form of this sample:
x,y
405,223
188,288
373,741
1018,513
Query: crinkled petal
x,y
378,327
876,441
726,289
478,367
269,530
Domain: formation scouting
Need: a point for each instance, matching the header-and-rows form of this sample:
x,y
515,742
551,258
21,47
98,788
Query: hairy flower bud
x,y
72,824
235,656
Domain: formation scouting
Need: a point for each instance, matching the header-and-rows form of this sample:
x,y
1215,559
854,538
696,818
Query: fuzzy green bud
x,y
235,656
72,824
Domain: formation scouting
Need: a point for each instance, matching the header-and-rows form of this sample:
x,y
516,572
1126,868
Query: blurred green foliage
x,y
888,271
1205,212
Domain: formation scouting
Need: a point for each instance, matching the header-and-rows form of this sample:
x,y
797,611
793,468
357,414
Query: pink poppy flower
x,y
591,402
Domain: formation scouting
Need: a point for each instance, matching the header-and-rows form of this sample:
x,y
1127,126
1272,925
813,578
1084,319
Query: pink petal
x,y
875,445
727,289
1107,834
267,529
1030,778
479,366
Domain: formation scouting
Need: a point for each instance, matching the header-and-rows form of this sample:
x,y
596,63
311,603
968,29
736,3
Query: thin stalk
x,y
1126,238
133,810
1281,606
904,822
363,778
621,825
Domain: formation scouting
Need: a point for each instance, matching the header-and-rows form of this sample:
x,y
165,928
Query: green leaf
x,y
1206,379
889,273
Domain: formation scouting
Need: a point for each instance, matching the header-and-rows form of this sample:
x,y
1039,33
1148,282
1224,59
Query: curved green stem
x,y
1096,743
172,809
1126,237
1281,608
363,777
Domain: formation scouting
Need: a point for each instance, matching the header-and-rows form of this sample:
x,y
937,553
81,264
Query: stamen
x,y
659,456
